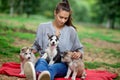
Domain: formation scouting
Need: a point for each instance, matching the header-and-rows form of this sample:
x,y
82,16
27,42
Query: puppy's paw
x,y
73,78
83,75
66,77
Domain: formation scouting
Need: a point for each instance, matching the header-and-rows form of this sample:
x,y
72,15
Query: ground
x,y
88,55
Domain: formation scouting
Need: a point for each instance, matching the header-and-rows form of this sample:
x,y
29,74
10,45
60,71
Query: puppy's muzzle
x,y
28,57
53,44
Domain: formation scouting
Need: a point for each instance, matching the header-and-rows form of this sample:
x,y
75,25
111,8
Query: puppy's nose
x,y
28,57
53,43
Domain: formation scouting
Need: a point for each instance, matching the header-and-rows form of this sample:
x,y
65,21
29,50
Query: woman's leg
x,y
41,69
57,70
41,65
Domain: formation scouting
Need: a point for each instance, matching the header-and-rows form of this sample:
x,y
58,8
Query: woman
x,y
68,41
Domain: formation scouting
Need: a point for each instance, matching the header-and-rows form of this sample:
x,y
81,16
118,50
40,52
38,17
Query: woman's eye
x,y
61,17
66,18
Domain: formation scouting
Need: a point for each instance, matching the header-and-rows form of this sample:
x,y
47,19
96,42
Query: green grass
x,y
24,18
25,29
8,35
6,48
17,21
115,53
26,36
118,78
99,33
94,65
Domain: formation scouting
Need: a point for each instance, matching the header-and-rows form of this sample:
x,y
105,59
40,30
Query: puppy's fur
x,y
52,53
26,55
74,65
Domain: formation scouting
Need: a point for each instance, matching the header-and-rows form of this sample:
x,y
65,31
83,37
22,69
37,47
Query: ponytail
x,y
66,1
64,5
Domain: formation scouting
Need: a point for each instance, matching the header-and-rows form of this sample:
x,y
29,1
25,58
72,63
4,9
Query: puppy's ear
x,y
23,49
48,35
64,53
31,49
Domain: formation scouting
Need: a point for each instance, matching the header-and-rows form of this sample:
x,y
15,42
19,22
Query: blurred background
x,y
97,23
103,12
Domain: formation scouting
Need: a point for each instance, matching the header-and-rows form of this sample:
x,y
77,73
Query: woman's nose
x,y
63,20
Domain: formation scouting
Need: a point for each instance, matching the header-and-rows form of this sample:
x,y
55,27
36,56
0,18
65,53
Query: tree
x,y
110,9
12,7
4,7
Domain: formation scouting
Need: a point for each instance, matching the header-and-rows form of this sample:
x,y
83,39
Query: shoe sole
x,y
45,75
29,71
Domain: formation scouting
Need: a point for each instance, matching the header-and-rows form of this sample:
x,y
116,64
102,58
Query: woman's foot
x,y
29,71
45,75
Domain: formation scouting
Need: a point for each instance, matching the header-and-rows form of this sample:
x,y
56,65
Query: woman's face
x,y
61,17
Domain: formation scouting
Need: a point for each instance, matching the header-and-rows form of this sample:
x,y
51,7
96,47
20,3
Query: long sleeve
x,y
37,45
76,42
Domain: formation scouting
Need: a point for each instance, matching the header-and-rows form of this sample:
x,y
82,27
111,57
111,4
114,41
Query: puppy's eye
x,y
29,53
25,53
56,40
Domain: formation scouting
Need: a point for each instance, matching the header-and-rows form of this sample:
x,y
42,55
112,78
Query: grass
x,y
94,65
25,29
115,53
99,33
30,23
6,48
27,36
8,34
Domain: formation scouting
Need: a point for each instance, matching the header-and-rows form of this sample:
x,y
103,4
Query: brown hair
x,y
64,5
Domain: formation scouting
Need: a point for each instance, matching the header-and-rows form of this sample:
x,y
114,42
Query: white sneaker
x,y
29,71
45,75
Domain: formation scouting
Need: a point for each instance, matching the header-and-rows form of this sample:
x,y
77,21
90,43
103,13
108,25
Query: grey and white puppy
x,y
52,53
26,55
74,65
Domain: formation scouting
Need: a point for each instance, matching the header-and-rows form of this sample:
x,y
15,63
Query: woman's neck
x,y
57,27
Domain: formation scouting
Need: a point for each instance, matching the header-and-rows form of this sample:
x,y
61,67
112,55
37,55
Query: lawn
x,y
101,46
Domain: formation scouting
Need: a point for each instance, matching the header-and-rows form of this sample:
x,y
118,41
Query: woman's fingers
x,y
76,55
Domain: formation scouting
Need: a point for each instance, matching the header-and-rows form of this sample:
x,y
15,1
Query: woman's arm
x,y
77,47
38,41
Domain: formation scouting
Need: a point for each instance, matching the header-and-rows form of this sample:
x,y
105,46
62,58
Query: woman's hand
x,y
76,55
34,51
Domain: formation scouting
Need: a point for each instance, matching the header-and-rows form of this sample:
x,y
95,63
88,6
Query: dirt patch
x,y
21,42
90,56
103,44
4,77
101,56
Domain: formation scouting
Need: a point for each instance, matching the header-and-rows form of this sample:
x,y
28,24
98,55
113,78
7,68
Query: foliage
x,y
95,11
108,11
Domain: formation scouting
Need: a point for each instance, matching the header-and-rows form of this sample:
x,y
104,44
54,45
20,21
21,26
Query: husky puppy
x,y
74,65
26,55
52,53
